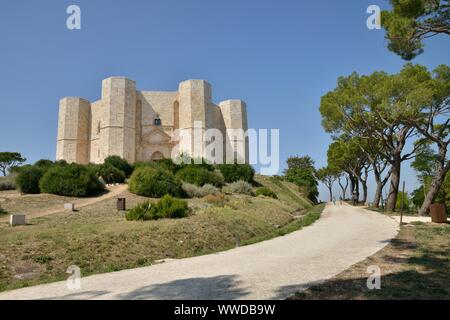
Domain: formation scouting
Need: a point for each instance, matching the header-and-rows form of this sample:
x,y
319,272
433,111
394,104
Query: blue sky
x,y
278,56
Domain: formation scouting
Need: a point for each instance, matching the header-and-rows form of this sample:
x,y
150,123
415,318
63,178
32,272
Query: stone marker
x,y
17,220
69,206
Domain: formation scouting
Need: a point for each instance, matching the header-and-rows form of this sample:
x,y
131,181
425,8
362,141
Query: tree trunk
x,y
364,186
356,184
352,184
437,182
331,194
395,182
344,189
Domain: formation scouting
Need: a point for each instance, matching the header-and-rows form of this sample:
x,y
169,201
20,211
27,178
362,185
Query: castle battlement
x,y
141,125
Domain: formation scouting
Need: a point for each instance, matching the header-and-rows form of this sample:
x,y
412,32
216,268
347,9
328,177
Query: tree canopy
x,y
411,21
10,160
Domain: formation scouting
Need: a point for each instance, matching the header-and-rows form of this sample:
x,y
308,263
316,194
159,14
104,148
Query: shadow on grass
x,y
426,276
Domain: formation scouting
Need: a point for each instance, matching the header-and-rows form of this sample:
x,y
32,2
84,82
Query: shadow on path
x,y
220,287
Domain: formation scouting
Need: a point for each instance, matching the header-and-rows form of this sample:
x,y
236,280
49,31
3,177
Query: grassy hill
x,y
98,239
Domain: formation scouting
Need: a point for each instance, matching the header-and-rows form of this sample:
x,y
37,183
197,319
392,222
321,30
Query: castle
x,y
148,125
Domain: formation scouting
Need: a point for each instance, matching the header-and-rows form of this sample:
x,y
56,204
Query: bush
x,y
264,191
236,172
71,180
2,211
242,187
111,174
155,182
217,200
199,176
120,164
28,179
44,164
167,207
193,191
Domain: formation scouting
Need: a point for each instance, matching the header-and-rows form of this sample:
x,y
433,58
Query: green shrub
x,y
199,176
264,191
28,179
72,180
44,164
242,187
111,174
120,164
194,191
155,182
166,207
236,172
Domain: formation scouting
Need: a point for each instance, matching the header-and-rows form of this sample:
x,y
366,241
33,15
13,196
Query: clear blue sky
x,y
279,56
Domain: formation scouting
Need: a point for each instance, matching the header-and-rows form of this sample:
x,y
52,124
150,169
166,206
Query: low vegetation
x,y
155,182
70,180
28,180
241,187
168,207
264,191
193,191
236,172
199,176
99,239
111,174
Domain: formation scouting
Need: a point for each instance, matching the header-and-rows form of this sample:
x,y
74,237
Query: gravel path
x,y
272,269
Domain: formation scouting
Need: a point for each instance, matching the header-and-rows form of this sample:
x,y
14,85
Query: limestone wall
x,y
73,130
122,122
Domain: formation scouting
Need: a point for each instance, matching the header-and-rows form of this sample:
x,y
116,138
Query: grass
x,y
415,265
98,239
12,201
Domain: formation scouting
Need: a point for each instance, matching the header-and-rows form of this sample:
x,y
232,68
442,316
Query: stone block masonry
x,y
146,125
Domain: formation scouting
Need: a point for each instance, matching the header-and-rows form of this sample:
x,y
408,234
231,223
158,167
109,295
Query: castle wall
x,y
194,97
122,123
73,130
234,113
119,101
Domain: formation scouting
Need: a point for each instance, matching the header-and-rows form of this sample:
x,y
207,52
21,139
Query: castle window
x,y
157,121
98,128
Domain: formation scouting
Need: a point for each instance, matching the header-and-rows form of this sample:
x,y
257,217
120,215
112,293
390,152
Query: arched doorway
x,y
157,156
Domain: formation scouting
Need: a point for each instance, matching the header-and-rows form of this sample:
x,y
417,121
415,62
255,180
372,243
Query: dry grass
x,y
416,265
13,202
98,239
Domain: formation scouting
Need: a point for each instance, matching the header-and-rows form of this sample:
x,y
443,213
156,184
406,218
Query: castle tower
x,y
118,133
194,96
234,113
73,130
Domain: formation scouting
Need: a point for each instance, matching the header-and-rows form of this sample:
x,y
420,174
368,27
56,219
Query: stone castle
x,y
147,125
